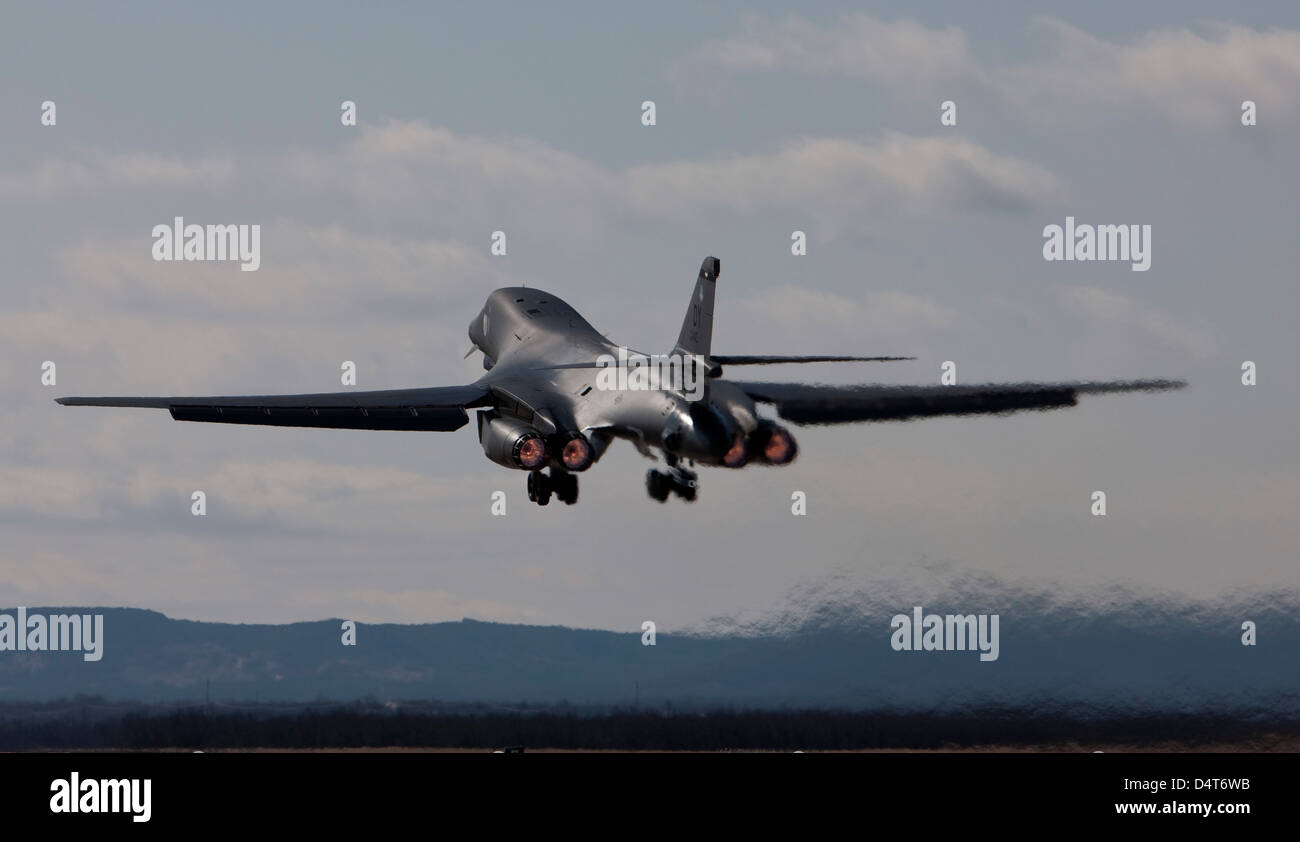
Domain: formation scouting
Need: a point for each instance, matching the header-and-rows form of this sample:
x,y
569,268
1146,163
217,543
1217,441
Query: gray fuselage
x,y
527,335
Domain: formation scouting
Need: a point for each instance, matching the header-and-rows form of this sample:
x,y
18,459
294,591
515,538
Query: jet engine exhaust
x,y
738,454
773,444
577,454
780,448
530,452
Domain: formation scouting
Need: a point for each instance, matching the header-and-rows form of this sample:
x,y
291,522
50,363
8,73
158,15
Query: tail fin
x,y
697,328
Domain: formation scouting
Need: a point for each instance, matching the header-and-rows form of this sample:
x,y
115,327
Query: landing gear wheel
x,y
676,480
657,484
566,486
539,488
682,482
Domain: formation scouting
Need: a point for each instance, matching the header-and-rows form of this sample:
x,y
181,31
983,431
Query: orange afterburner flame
x,y
576,454
532,452
736,454
779,448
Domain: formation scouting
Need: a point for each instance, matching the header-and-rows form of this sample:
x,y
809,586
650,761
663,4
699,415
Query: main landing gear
x,y
562,484
676,480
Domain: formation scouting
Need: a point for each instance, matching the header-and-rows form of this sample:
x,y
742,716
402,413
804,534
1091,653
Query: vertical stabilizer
x,y
697,327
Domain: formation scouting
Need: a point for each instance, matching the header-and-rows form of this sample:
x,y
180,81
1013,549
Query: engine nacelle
x,y
511,442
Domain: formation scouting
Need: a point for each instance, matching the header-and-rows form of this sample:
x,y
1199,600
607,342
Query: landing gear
x,y
676,480
566,487
562,484
539,488
656,484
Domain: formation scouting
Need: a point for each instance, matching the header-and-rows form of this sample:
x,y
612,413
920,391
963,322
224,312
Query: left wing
x,y
437,408
802,403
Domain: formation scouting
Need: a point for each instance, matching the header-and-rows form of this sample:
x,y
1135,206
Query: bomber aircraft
x,y
557,393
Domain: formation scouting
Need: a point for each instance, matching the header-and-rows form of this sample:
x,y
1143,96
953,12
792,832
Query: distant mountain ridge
x,y
1137,656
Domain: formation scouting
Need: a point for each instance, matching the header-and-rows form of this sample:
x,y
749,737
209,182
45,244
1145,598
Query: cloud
x,y
97,170
847,186
1110,311
896,54
410,176
890,313
324,294
42,488
301,276
46,577
1191,78
253,488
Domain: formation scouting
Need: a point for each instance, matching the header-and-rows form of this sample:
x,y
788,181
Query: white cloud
x,y
96,170
1108,311
324,294
408,173
897,54
303,275
889,313
847,186
1190,78
43,489
255,488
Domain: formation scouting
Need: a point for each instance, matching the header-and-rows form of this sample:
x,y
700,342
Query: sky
x,y
923,240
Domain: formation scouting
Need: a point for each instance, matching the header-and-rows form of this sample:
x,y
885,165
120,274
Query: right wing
x,y
770,359
439,408
802,403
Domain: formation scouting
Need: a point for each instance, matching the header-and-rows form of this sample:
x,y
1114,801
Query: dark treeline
x,y
307,727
